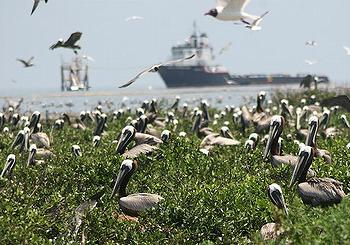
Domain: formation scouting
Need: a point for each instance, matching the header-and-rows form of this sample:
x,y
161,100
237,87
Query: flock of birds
x,y
148,130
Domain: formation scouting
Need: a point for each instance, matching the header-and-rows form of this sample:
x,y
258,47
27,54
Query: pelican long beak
x,y
304,162
196,123
286,109
123,142
278,198
272,138
120,178
34,120
311,136
31,157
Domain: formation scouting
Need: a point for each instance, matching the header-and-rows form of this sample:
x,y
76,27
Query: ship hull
x,y
201,76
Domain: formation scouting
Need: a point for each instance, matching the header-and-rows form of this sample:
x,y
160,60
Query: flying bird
x,y
155,68
254,26
232,10
312,43
225,48
35,5
133,18
70,43
310,62
347,50
27,63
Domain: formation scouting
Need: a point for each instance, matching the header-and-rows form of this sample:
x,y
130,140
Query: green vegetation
x,y
220,198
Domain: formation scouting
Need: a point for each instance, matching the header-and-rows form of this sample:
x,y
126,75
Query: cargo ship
x,y
201,71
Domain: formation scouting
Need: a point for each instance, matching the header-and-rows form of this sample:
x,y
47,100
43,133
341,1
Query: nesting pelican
x,y
314,191
134,203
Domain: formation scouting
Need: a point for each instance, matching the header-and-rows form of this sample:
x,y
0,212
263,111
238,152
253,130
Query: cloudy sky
x,y
122,48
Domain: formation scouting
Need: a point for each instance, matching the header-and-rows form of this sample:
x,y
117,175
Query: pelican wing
x,y
138,150
233,5
35,5
74,37
286,159
178,60
224,141
317,191
41,139
141,138
341,100
140,201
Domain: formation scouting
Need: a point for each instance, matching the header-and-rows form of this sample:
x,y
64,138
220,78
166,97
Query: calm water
x,y
76,101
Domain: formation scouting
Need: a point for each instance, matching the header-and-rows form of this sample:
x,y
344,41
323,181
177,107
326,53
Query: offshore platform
x,y
74,75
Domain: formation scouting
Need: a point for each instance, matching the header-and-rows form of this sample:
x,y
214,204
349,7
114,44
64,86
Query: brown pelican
x,y
225,132
274,192
134,203
273,145
96,140
216,140
345,121
70,43
101,124
176,103
76,151
78,123
31,157
315,191
145,143
10,164
34,120
252,141
273,230
276,128
2,120
41,139
311,140
21,140
165,135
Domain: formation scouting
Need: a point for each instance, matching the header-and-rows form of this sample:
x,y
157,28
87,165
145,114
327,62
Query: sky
x,y
121,49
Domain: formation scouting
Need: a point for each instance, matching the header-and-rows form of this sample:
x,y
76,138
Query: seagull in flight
x,y
70,43
133,18
254,26
347,50
232,10
312,43
27,63
155,68
310,62
35,5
